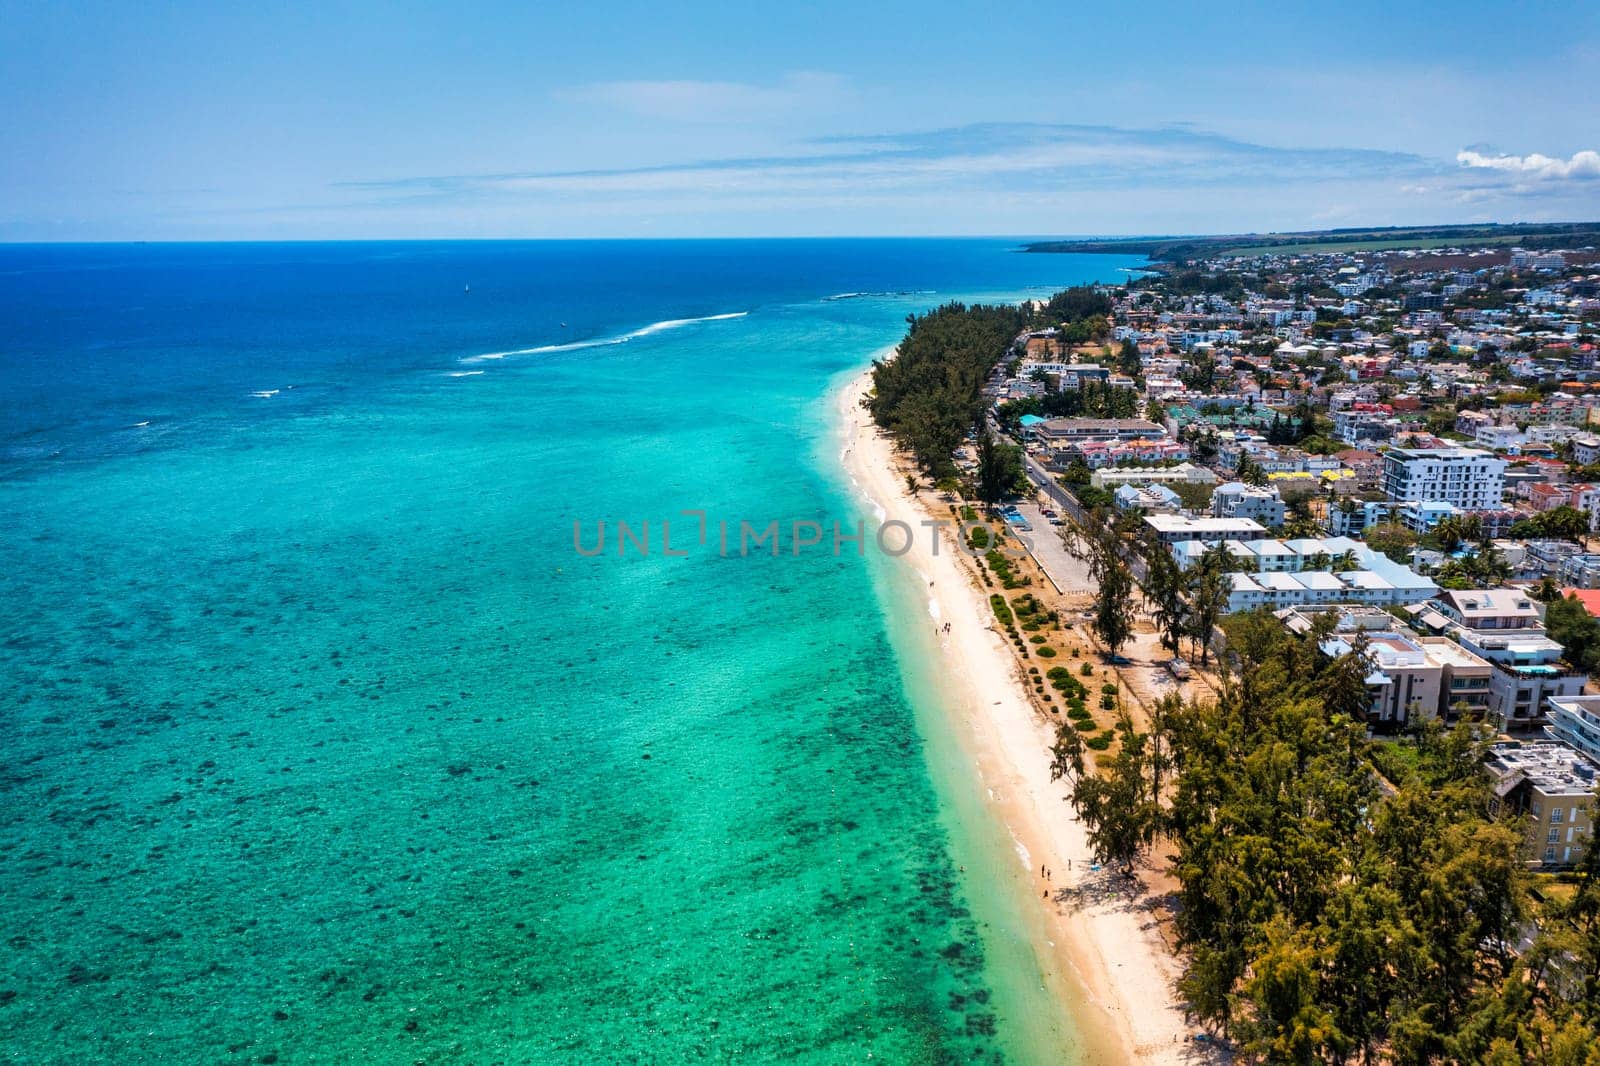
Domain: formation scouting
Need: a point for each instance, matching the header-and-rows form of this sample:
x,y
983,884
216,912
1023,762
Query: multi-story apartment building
x,y
1238,500
1490,609
1471,479
1575,721
1403,682
1503,626
1554,787
1464,679
1528,672
1310,571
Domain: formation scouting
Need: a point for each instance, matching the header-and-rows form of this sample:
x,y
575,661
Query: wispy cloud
x,y
716,101
1001,157
1582,166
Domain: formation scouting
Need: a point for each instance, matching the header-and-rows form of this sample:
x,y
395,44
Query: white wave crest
x,y
603,342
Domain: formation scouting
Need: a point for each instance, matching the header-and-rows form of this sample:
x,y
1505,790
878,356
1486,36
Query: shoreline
x,y
1102,952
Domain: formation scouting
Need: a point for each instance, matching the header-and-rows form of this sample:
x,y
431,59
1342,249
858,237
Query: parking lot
x,y
1070,573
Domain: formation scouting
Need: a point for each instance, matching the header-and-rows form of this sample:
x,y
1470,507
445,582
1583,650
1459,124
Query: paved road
x,y
1062,501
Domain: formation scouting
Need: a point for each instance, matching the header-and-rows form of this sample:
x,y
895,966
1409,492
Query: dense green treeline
x,y
1095,399
1325,917
929,395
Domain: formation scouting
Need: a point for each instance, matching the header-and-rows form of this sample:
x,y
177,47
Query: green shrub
x,y
1108,703
1084,725
1088,670
1036,639
1099,743
1056,673
1077,712
978,538
1045,652
1108,690
1001,611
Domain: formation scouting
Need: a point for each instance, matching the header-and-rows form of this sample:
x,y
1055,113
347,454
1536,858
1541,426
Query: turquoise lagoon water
x,y
322,744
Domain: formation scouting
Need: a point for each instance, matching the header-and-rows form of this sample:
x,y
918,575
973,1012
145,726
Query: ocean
x,y
321,740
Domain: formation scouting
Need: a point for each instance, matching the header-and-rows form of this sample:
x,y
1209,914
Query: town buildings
x,y
1467,478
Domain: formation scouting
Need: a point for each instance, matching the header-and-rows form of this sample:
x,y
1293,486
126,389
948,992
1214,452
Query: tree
x,y
1164,587
1448,533
1561,523
1391,539
1113,608
999,469
1208,597
930,393
1101,548
1299,521
1066,755
1128,361
1324,921
1118,804
1546,591
1344,683
1568,622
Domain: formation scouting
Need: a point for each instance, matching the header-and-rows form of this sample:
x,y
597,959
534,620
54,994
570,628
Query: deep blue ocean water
x,y
320,743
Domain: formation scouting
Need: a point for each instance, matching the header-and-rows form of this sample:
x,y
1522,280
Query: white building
x,y
1471,479
1109,477
1528,673
1172,529
1586,449
1310,571
1238,500
1497,437
1575,721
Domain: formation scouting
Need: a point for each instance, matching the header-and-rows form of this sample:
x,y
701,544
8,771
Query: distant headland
x,y
1311,242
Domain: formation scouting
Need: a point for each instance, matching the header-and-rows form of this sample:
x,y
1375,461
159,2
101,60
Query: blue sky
x,y
348,119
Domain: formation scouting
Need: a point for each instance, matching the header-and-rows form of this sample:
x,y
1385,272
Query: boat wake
x,y
603,342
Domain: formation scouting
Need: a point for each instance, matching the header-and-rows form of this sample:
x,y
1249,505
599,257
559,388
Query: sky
x,y
340,119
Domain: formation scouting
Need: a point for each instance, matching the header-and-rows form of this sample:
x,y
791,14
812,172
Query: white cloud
x,y
717,101
1582,165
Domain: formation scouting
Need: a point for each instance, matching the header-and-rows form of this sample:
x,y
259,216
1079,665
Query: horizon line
x,y
1020,237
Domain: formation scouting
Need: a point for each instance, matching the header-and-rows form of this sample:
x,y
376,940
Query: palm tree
x,y
1449,533
1546,591
1488,565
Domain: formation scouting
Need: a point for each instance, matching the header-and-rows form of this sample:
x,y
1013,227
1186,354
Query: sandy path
x,y
1105,951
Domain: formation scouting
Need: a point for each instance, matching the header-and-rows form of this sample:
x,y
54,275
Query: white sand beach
x,y
1105,953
